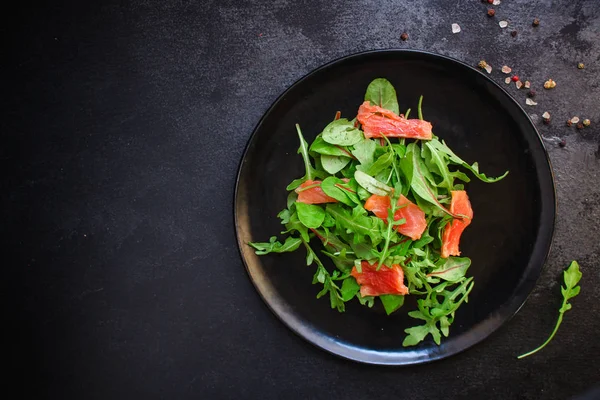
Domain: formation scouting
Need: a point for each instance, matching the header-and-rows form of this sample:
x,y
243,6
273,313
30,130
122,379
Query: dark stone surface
x,y
123,125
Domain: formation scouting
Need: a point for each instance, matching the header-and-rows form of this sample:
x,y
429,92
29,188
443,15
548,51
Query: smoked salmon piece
x,y
459,205
385,281
415,223
314,194
377,122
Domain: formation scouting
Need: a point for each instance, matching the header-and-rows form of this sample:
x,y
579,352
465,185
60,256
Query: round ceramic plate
x,y
508,240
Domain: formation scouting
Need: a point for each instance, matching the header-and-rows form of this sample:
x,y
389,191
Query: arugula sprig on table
x,y
351,168
571,277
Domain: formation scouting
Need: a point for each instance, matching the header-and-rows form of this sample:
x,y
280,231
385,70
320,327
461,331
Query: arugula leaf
x,y
294,224
334,164
380,92
311,215
322,276
356,222
571,277
417,174
273,246
371,184
441,147
453,269
432,311
342,132
368,301
391,302
364,151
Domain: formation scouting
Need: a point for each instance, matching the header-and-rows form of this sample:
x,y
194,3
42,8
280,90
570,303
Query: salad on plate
x,y
384,200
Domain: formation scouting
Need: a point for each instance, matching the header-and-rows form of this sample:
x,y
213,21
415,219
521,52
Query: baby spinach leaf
x,y
349,288
332,187
322,147
333,164
382,163
310,215
364,151
342,132
380,92
391,302
273,246
452,270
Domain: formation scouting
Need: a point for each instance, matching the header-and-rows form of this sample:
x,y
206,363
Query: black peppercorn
x,y
513,33
531,93
535,22
563,143
491,12
404,36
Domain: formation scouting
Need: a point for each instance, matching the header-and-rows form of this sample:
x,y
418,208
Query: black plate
x,y
508,240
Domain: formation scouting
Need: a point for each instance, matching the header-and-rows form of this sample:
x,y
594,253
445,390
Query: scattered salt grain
x,y
496,2
455,28
527,84
488,69
503,24
519,84
530,102
574,120
506,69
507,80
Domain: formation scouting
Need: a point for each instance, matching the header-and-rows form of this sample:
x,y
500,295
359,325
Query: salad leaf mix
x,y
383,199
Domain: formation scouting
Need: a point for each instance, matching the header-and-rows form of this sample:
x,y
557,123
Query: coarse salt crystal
x,y
488,69
506,69
546,115
527,85
503,24
507,80
530,102
519,84
455,28
496,2
574,120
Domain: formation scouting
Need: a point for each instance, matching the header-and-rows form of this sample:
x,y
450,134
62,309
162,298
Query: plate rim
x,y
350,354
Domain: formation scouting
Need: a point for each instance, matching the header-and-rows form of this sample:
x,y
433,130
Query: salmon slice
x,y
415,223
314,194
385,281
459,205
378,122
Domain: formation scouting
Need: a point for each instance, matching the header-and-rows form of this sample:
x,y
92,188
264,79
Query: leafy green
x,y
438,315
371,184
571,277
391,302
419,177
311,215
426,172
442,148
273,246
336,188
452,270
322,147
356,222
334,164
342,132
349,288
380,92
364,151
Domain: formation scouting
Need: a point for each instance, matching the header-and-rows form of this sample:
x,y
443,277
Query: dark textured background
x,y
123,124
